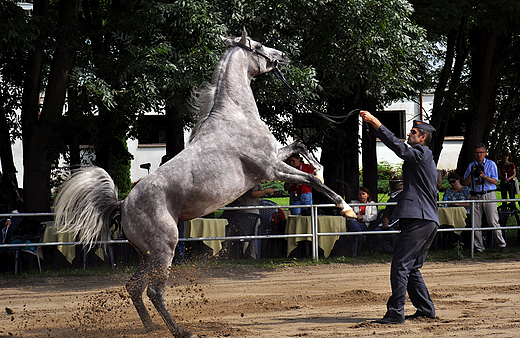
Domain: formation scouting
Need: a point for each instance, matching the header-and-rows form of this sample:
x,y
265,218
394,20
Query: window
x,y
152,129
394,121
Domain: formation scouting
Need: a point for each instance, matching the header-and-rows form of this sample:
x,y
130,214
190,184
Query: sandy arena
x,y
473,298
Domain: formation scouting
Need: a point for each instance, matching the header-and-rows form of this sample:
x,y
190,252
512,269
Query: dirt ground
x,y
473,298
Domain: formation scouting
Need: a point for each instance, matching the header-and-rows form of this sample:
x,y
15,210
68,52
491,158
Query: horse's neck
x,y
233,87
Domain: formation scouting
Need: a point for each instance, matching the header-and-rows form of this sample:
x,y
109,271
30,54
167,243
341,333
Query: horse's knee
x,y
155,292
134,289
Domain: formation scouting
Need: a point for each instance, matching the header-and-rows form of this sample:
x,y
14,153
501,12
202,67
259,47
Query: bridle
x,y
254,51
331,118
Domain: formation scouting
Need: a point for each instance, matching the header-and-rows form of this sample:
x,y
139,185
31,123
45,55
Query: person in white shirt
x,y
365,215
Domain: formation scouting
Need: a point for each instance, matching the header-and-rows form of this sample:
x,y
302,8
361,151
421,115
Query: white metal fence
x,y
314,226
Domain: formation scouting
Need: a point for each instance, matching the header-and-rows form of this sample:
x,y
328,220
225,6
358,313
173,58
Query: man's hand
x,y
367,117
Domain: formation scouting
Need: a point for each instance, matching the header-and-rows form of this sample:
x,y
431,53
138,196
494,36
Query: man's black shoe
x,y
418,315
389,321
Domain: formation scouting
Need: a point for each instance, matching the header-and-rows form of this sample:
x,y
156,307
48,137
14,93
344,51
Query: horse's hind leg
x,y
159,273
135,287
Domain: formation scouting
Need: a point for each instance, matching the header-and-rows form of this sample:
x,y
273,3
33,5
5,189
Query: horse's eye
x,y
258,46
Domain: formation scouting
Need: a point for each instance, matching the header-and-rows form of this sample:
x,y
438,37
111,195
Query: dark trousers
x,y
410,252
507,188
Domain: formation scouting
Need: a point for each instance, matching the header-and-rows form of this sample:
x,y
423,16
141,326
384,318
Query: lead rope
x,y
331,118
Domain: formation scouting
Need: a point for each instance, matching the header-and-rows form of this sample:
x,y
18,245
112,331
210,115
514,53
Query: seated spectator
x,y
365,215
388,222
250,198
457,192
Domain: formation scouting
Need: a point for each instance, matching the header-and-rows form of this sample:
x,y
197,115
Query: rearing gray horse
x,y
230,150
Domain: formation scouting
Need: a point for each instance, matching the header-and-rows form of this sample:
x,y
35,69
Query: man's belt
x,y
480,193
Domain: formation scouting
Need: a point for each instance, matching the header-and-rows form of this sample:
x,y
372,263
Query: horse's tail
x,y
85,205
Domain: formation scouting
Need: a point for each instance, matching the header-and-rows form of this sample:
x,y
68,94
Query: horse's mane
x,y
203,97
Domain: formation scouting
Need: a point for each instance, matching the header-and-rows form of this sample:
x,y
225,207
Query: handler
x,y
417,211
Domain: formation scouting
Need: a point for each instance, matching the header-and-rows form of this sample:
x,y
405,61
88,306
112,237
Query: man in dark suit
x,y
417,211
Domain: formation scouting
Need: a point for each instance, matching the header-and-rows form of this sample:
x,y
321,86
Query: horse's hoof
x,y
348,213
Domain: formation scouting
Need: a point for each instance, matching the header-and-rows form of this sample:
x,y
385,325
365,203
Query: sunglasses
x,y
453,181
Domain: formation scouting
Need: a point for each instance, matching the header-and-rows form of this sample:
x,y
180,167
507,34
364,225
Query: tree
x,y
16,36
140,56
478,76
347,55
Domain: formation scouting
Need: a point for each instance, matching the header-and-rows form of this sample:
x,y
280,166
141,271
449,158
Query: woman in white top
x,y
365,215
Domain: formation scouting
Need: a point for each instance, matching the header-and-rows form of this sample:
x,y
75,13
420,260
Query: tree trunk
x,y
6,151
37,130
445,100
174,130
369,153
339,155
73,139
484,79
31,109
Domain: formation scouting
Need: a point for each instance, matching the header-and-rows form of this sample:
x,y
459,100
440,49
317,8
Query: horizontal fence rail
x,y
314,225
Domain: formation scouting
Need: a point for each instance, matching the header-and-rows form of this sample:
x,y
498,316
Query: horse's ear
x,y
243,39
227,41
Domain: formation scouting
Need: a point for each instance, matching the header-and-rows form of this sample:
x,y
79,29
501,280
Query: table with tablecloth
x,y
69,251
207,227
302,225
453,216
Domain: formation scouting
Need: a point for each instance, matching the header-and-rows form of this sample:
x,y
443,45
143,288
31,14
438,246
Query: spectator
x,y
482,176
365,215
252,198
388,222
506,173
247,228
457,192
299,194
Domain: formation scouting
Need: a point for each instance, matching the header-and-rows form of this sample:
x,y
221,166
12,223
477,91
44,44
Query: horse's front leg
x,y
298,147
285,173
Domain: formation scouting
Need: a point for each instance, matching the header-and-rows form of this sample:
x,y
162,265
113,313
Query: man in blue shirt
x,y
482,178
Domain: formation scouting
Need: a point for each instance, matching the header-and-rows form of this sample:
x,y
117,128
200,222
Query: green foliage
x,y
277,186
120,166
387,171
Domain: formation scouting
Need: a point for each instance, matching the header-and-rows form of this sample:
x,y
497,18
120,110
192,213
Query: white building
x,y
399,118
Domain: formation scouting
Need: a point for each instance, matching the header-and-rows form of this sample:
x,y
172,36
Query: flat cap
x,y
424,126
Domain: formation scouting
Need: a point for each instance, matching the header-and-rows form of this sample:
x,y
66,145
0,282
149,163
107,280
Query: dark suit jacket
x,y
419,196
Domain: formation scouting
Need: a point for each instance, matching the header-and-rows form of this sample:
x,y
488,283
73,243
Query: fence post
x,y
472,242
314,227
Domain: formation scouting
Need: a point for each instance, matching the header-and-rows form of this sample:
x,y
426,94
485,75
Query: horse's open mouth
x,y
279,63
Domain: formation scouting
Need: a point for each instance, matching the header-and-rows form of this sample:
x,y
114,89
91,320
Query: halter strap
x,y
254,51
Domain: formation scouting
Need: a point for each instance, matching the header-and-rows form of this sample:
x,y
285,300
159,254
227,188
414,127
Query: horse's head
x,y
262,58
